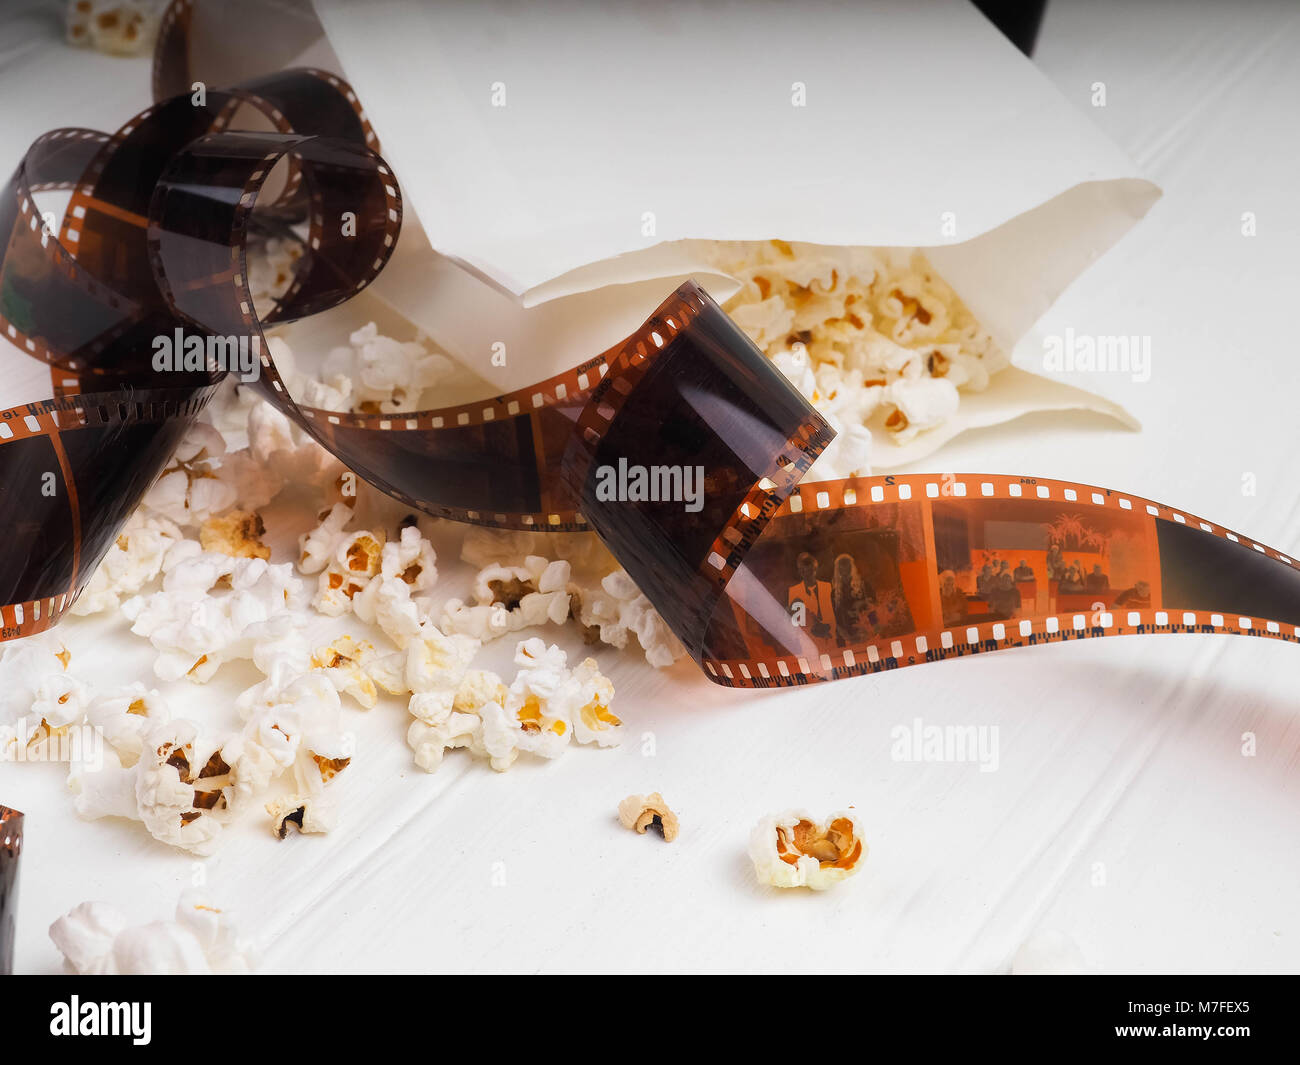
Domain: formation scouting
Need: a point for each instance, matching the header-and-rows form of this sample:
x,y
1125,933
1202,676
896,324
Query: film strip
x,y
682,447
11,849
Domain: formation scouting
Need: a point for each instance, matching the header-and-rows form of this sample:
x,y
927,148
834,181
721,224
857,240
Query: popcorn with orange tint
x,y
357,559
593,720
411,559
868,335
347,663
537,717
183,787
115,27
792,850
237,533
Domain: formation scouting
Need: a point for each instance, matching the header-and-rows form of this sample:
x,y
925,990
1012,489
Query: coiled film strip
x,y
682,447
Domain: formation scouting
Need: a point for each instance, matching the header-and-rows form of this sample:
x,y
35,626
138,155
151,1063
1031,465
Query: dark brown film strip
x,y
11,850
682,447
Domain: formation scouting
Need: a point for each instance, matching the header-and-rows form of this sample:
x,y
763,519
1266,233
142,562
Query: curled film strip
x,y
682,447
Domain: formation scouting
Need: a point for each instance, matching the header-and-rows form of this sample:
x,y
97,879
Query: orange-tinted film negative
x,y
683,448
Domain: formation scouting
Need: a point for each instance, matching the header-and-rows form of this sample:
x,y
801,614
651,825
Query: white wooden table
x,y
1122,812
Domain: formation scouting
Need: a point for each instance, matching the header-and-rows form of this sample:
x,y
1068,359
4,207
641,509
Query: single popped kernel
x,y
346,662
640,812
357,559
539,704
410,559
124,715
510,598
237,533
593,720
306,813
317,548
183,786
792,850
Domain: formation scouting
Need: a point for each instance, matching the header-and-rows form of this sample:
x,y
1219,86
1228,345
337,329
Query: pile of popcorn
x,y
192,574
875,339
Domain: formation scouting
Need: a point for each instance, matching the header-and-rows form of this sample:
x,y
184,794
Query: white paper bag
x,y
560,157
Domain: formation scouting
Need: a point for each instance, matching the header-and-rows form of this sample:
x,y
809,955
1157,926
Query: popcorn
x,y
271,268
95,939
106,792
183,787
410,559
317,548
593,722
538,713
791,850
290,722
510,598
117,27
37,683
357,558
238,533
284,453
473,709
85,936
436,663
188,491
346,662
387,603
386,375
848,455
616,609
309,813
132,561
124,715
639,812
847,326
919,405
910,309
440,730
279,453
204,614
279,645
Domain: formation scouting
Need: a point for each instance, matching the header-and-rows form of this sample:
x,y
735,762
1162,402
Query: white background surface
x,y
1122,812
